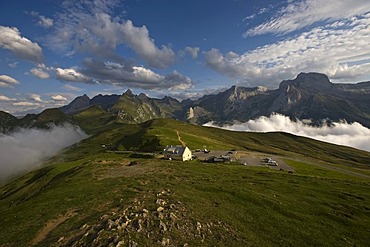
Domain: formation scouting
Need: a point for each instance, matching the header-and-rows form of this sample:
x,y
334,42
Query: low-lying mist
x,y
342,133
26,149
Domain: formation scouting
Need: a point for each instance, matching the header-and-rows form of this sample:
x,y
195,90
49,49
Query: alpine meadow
x,y
184,123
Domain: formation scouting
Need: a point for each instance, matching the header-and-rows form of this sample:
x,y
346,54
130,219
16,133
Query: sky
x,y
52,51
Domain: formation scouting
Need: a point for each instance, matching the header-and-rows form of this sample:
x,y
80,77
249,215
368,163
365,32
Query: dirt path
x,y
178,137
51,225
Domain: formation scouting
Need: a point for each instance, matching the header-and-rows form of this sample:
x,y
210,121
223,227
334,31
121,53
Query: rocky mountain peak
x,y
128,92
242,93
78,103
142,96
308,80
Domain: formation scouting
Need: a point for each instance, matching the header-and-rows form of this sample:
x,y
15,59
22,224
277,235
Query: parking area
x,y
244,158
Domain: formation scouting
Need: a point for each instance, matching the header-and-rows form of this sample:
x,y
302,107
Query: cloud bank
x,y
24,150
341,133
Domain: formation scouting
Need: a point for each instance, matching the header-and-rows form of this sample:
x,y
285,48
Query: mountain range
x,y
308,96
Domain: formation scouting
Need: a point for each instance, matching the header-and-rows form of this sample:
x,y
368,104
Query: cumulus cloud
x,y
193,51
303,13
42,21
35,97
26,149
90,27
177,81
339,49
124,74
341,133
11,39
58,98
45,21
7,81
41,71
72,75
5,98
138,39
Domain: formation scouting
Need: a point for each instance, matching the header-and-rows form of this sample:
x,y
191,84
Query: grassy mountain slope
x,y
89,197
44,120
94,118
162,132
7,121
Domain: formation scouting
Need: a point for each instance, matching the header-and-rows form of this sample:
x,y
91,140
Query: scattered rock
x,y
161,202
132,243
162,226
153,217
120,243
165,242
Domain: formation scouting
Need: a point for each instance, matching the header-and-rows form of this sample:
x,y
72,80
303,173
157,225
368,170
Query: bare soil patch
x,y
51,225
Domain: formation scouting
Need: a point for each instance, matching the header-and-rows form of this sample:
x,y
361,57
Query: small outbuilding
x,y
177,153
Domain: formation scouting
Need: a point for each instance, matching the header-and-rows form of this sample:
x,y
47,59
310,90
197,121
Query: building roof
x,y
174,150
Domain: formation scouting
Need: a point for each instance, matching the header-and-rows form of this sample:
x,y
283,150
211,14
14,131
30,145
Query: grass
x,y
260,206
315,206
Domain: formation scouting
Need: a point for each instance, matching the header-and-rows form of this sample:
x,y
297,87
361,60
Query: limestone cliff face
x,y
308,96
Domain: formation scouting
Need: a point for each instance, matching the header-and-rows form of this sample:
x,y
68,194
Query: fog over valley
x,y
25,149
341,133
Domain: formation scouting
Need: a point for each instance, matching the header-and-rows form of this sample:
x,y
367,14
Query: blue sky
x,y
52,51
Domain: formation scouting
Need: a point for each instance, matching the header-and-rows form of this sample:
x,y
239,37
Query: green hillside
x,y
7,122
92,196
94,118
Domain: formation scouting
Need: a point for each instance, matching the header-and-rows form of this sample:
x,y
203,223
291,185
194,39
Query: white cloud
x,y
137,38
193,51
58,98
5,98
303,13
41,71
7,81
71,88
341,133
91,28
11,39
42,21
123,74
25,103
35,97
339,50
178,82
28,148
71,75
146,75
45,21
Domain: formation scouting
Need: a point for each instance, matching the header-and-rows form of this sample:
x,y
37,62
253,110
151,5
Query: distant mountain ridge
x,y
308,96
43,120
